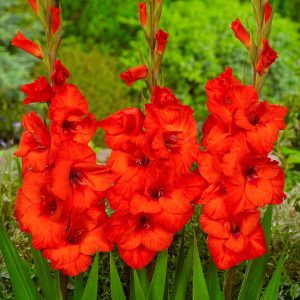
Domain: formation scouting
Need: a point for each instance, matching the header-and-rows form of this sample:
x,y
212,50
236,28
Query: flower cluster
x,y
61,202
237,138
154,189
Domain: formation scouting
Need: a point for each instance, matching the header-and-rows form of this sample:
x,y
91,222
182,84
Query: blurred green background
x,y
101,39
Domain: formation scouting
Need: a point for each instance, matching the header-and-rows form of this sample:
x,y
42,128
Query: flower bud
x,y
134,74
33,4
266,59
268,12
143,14
27,45
241,33
161,42
55,12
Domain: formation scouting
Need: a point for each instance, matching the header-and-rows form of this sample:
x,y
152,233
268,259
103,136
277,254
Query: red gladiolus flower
x,y
33,5
59,74
143,14
164,198
27,45
84,236
121,127
77,178
268,12
70,115
241,33
134,74
261,124
163,98
35,143
37,91
55,12
266,59
235,238
138,237
161,42
39,212
175,138
252,178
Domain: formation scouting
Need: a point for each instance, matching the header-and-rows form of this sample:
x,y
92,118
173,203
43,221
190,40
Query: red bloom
x,y
252,179
143,14
37,91
165,199
55,12
39,212
266,59
135,164
215,135
225,94
161,42
84,236
33,5
59,74
163,98
35,143
261,124
134,74
77,178
268,12
241,33
174,138
70,115
234,238
122,126
27,45
138,237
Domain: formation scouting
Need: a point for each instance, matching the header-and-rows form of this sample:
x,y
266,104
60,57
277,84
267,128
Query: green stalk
x,y
229,283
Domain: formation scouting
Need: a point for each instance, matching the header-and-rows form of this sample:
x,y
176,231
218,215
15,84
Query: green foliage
x,y
15,69
201,45
110,24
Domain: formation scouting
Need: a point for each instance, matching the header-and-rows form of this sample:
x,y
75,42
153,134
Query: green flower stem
x,y
229,283
63,281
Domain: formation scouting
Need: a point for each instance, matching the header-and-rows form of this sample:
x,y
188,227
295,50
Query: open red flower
x,y
70,115
39,212
35,144
27,45
122,126
77,178
59,74
134,74
252,178
161,42
173,137
38,91
261,124
84,237
164,198
225,94
143,14
241,33
138,237
266,59
55,12
235,238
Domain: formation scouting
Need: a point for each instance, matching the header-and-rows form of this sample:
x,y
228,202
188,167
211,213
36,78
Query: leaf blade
x,y
117,292
91,288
